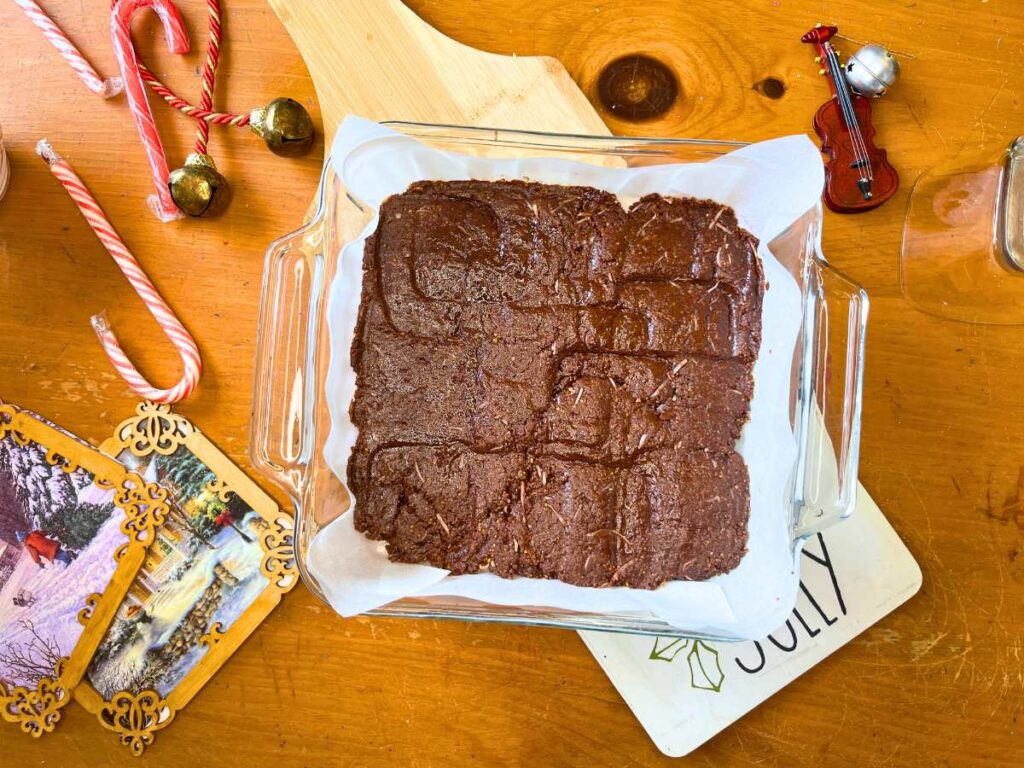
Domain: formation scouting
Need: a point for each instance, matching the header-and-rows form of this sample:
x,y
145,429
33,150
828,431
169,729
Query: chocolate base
x,y
551,386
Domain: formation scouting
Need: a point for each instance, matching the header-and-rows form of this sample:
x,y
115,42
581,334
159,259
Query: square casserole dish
x,y
291,422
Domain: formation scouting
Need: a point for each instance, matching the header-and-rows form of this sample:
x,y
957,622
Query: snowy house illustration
x,y
9,555
169,550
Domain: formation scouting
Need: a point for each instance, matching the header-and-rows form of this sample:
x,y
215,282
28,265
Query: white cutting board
x,y
685,691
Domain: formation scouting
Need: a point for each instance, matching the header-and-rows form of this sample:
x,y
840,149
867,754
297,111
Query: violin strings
x,y
832,66
856,135
868,169
850,115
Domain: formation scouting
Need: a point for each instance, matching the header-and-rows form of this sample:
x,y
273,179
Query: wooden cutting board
x,y
378,59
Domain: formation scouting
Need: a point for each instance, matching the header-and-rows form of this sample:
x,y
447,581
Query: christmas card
x,y
219,564
74,529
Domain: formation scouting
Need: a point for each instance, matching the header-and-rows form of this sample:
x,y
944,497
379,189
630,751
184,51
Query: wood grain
x,y
377,59
938,683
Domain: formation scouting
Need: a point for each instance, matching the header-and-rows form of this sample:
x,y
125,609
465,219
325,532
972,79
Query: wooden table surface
x,y
940,682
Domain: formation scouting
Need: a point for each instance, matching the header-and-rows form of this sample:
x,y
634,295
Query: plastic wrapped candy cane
x,y
67,49
170,324
135,89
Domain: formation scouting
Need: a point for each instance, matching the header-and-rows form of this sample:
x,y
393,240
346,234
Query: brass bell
x,y
198,189
285,126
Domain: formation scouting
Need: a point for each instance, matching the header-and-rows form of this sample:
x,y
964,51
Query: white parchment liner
x,y
769,185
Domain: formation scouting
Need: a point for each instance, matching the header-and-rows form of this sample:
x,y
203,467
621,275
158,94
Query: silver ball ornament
x,y
871,71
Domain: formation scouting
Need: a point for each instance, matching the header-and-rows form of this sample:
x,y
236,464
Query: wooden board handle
x,y
378,59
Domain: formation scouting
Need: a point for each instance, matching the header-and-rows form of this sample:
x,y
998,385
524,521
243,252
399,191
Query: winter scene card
x,y
73,528
218,565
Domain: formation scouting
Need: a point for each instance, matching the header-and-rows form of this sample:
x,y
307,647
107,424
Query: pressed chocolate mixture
x,y
551,386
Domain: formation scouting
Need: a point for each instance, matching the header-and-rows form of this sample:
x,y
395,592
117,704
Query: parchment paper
x,y
769,185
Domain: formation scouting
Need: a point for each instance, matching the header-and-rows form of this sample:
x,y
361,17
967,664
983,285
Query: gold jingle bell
x,y
284,125
198,189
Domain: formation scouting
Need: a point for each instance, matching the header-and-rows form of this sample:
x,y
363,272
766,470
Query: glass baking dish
x,y
290,419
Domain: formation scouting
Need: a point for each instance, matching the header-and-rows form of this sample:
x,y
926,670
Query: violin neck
x,y
833,70
819,37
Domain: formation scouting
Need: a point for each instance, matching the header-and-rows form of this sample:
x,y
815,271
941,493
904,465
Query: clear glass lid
x,y
963,240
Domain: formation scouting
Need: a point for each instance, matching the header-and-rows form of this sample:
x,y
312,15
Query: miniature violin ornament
x,y
858,176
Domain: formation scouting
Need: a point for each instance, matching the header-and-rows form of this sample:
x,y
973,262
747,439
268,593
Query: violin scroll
x,y
819,35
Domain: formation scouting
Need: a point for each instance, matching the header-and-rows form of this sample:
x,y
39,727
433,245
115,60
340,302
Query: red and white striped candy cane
x,y
135,89
67,49
170,324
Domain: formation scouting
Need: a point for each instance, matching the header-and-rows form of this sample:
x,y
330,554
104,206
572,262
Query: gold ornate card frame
x,y
154,432
37,710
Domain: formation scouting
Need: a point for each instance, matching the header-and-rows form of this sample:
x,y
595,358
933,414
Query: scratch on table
x,y
921,648
945,144
890,759
985,606
880,636
1017,666
929,539
979,121
403,694
76,390
1011,509
959,669
981,116
769,736
920,124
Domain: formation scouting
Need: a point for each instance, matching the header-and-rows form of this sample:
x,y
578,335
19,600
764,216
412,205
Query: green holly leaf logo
x,y
667,648
705,671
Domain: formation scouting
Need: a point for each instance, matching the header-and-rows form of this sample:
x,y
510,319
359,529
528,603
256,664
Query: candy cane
x,y
166,318
57,38
135,89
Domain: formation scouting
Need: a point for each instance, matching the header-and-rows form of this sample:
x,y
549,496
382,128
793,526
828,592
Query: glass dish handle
x,y
285,385
837,322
